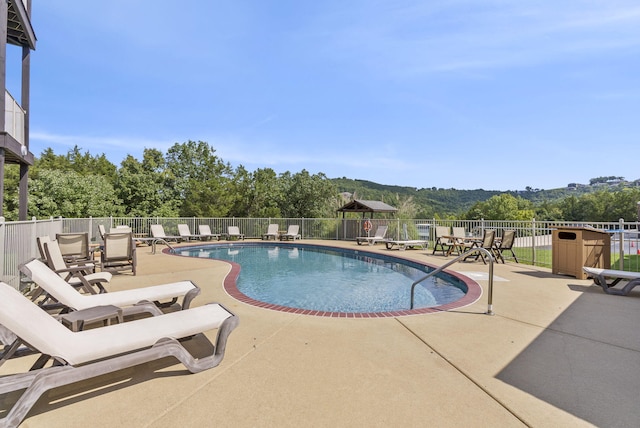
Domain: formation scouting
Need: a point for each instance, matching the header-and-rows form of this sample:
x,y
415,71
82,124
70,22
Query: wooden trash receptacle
x,y
575,247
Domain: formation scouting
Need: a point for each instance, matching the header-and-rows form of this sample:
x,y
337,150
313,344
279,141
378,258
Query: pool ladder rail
x,y
460,257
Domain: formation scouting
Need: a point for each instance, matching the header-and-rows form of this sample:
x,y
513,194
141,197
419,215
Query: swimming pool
x,y
330,281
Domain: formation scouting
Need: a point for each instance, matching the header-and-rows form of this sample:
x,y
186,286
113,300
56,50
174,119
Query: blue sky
x,y
465,94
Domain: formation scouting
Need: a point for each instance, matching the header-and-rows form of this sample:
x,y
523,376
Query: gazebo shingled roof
x,y
360,206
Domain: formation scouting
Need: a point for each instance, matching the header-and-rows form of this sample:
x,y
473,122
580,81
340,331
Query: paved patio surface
x,y
557,353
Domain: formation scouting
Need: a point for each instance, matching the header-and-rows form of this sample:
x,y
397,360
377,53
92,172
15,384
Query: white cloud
x,y
426,37
116,148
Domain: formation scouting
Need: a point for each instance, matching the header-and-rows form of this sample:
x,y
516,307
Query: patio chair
x,y
157,232
75,246
144,299
77,274
95,352
205,232
506,244
101,231
40,240
272,232
443,240
458,237
118,253
381,231
488,243
233,232
292,233
609,278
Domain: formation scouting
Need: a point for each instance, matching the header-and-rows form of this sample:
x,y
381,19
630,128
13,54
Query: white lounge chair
x,y
381,231
98,351
68,296
404,244
272,232
157,232
292,233
185,232
609,278
205,232
234,232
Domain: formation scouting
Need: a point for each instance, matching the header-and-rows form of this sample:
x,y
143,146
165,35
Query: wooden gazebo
x,y
353,228
366,207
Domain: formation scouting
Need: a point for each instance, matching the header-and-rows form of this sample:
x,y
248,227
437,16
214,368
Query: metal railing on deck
x,y
457,259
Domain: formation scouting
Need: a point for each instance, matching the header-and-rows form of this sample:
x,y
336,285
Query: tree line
x,y
190,180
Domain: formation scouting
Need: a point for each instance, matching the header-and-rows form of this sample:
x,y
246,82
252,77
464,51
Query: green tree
x,y
548,211
81,163
266,195
199,179
625,205
11,184
68,194
141,190
307,195
502,207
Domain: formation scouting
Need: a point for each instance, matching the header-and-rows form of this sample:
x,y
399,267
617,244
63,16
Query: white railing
x,y
533,243
13,118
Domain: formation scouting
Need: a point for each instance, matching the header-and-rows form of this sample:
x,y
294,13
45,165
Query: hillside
x,y
444,202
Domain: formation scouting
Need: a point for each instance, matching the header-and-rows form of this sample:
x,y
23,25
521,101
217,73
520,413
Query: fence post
x,y
621,229
533,241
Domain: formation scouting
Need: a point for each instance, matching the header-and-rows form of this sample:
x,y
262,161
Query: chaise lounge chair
x,y
158,235
157,232
131,301
292,233
381,231
405,244
600,276
205,232
90,353
185,232
234,233
272,232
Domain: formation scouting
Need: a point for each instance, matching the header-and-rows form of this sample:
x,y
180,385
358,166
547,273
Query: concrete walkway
x,y
557,353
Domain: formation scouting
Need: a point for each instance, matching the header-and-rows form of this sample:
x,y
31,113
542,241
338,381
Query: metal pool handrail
x,y
441,268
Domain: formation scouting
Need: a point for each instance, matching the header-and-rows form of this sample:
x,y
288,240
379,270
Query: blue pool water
x,y
328,279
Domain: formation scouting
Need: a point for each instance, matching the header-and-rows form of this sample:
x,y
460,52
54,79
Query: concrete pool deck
x,y
557,352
